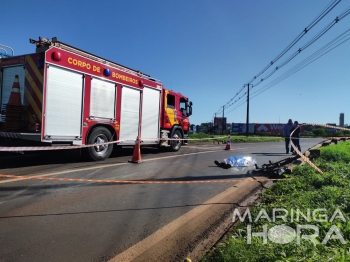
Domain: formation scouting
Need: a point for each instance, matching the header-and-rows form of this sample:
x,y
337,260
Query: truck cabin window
x,y
171,101
183,107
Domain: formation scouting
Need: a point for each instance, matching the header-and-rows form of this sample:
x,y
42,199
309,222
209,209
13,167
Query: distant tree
x,y
319,132
308,128
343,133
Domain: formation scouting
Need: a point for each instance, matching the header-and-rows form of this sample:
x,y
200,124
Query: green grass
x,y
201,137
340,154
309,190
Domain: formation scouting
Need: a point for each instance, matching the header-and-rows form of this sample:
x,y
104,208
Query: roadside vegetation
x,y
324,132
309,190
202,137
309,130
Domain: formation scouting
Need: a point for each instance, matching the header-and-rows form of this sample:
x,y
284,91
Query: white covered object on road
x,y
240,161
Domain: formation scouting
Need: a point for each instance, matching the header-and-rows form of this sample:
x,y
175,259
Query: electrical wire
x,y
315,56
309,43
324,12
336,42
306,30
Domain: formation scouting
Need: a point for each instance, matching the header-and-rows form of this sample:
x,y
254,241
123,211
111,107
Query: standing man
x,y
286,133
295,137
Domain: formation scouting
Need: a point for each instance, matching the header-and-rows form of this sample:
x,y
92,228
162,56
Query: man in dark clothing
x,y
295,137
286,133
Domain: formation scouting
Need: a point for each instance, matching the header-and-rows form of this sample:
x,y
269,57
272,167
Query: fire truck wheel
x,y
99,135
175,145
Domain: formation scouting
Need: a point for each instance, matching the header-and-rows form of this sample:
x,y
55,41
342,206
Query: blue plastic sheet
x,y
240,161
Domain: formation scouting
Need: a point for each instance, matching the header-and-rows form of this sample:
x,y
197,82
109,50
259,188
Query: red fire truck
x,y
62,95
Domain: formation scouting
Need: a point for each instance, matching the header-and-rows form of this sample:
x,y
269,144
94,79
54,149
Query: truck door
x,y
102,101
150,114
63,104
129,115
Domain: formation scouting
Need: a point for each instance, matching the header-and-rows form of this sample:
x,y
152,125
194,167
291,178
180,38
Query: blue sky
x,y
205,49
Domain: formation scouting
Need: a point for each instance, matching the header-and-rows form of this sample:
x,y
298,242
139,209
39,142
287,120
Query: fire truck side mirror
x,y
189,108
189,111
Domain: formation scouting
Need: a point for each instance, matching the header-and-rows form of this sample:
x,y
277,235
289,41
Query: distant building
x,y
220,125
341,120
331,130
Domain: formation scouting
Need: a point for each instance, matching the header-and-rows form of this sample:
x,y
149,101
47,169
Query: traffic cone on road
x,y
136,156
15,96
228,144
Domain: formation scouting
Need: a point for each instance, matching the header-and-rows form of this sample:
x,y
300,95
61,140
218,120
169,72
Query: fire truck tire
x,y
176,145
99,153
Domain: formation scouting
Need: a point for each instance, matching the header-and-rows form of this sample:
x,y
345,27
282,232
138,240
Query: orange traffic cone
x,y
136,156
15,96
228,144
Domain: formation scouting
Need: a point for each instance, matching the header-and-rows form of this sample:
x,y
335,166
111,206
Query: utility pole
x,y
214,124
223,110
247,126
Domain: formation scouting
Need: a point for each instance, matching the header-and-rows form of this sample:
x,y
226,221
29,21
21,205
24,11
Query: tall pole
x,y
223,110
247,126
214,124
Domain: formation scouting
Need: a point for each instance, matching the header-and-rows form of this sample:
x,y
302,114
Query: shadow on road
x,y
8,191
270,154
232,173
29,159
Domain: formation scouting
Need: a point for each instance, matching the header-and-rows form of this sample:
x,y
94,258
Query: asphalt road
x,y
74,221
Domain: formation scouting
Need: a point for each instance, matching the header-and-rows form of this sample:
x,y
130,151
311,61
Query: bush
x,y
319,132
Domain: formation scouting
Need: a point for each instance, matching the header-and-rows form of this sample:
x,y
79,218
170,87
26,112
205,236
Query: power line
x,y
314,39
336,42
318,54
326,10
309,43
307,29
